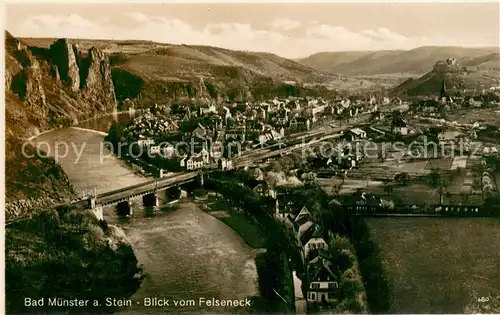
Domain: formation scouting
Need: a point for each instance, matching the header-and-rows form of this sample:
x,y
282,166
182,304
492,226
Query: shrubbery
x,y
378,287
65,253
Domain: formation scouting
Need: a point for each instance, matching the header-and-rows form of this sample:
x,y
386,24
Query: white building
x,y
154,149
192,163
145,142
323,286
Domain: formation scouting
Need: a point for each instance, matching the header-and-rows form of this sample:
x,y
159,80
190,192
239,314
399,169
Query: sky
x,y
292,30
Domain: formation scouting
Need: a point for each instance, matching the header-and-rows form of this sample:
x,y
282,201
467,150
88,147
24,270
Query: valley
x,y
348,181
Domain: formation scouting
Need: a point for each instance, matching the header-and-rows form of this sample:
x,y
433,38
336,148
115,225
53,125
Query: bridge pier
x,y
150,200
97,210
123,208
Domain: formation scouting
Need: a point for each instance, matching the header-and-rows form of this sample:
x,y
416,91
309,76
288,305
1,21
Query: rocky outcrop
x,y
28,85
98,83
63,56
55,86
54,73
34,94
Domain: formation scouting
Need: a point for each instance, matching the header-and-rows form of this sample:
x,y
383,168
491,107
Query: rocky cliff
x,y
54,86
48,87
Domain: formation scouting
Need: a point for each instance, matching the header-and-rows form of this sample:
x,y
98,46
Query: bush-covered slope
x,y
67,254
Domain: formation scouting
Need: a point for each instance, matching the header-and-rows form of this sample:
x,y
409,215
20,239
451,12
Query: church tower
x,y
444,93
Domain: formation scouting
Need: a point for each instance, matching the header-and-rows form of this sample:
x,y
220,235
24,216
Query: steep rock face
x,y
63,56
35,95
98,84
54,87
28,84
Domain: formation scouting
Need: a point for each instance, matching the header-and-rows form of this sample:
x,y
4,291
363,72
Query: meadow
x,y
440,265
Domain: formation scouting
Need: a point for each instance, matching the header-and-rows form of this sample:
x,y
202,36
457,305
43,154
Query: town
x,y
383,155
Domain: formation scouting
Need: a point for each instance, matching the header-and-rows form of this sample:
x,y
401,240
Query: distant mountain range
x,y
406,62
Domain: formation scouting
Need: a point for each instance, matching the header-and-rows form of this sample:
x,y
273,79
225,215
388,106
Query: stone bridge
x,y
148,191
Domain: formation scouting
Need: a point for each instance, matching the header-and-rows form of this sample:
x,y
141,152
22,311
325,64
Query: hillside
x,y
48,88
415,62
456,77
67,253
150,72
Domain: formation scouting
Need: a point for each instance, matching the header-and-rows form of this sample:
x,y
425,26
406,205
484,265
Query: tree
x,y
402,178
336,189
309,178
388,187
286,163
435,177
375,116
276,167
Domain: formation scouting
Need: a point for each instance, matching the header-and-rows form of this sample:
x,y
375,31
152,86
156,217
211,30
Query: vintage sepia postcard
x,y
253,157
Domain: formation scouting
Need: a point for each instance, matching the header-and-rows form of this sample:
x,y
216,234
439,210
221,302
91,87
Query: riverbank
x,y
250,232
274,271
90,130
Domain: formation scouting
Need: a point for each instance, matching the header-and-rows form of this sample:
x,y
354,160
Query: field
x,y
440,265
481,115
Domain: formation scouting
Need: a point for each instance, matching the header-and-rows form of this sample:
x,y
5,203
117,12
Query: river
x,y
186,254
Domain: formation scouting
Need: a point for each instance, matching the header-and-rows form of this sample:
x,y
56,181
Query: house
x,y
199,132
225,164
299,123
303,216
155,149
476,101
287,202
262,189
203,153
283,208
449,137
192,163
323,282
207,109
303,231
314,243
145,142
354,134
276,135
317,110
399,125
168,151
363,201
